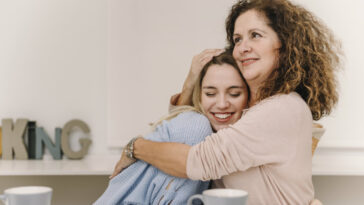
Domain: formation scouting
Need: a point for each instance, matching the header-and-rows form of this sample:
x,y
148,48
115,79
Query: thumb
x,y
117,170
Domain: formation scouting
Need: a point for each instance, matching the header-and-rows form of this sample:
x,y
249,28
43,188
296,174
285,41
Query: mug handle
x,y
196,196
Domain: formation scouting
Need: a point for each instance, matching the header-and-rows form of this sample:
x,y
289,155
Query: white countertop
x,y
339,162
90,165
325,162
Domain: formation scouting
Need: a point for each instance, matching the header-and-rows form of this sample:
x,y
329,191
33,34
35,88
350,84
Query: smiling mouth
x,y
248,61
223,117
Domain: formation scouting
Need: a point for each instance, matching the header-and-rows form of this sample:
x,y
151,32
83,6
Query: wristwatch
x,y
129,148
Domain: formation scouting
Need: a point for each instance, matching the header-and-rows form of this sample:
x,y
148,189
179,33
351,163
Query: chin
x,y
250,75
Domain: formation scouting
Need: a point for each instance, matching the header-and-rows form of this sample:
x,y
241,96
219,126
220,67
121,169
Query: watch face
x,y
130,155
130,148
129,151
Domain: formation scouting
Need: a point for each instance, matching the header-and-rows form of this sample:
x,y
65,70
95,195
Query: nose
x,y
244,46
222,102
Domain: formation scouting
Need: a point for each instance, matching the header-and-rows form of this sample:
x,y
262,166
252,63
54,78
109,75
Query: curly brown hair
x,y
308,58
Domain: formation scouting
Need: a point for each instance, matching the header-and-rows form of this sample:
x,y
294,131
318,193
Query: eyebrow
x,y
208,87
251,30
240,87
231,87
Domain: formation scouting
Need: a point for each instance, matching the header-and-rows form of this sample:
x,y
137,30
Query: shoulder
x,y
280,109
191,117
189,128
292,98
291,103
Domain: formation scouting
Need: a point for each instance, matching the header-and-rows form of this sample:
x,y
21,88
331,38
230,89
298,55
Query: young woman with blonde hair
x,y
142,183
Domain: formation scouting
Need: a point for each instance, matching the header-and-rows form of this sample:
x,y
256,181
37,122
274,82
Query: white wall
x,y
65,59
53,64
150,47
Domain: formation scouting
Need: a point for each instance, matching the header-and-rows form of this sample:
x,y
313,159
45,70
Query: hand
x,y
123,163
198,62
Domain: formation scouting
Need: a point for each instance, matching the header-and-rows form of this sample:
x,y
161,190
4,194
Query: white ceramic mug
x,y
27,195
221,197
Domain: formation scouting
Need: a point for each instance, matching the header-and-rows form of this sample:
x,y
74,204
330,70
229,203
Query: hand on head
x,y
197,64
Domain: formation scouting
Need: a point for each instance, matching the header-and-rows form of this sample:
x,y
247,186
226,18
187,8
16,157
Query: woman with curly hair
x,y
289,60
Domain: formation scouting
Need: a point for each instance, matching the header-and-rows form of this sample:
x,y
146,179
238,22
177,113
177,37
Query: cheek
x,y
241,103
273,57
205,103
236,56
276,59
270,63
235,53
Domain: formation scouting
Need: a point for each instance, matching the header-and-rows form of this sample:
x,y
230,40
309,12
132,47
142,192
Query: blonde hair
x,y
224,58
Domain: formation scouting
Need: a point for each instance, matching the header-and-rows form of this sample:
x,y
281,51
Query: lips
x,y
222,117
248,61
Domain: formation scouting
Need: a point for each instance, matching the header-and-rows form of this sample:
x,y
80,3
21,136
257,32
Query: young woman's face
x,y
224,95
256,47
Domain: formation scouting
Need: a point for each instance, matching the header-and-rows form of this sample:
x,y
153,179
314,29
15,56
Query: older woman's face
x,y
256,47
224,95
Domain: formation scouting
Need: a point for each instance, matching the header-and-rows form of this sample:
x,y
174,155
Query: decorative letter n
x,y
42,137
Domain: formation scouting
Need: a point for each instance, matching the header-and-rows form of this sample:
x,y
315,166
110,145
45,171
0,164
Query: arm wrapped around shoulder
x,y
274,131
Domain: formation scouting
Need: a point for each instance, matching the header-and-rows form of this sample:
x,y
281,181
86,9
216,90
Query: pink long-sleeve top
x,y
267,153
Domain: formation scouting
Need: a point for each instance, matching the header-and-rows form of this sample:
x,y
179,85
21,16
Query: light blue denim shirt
x,y
143,184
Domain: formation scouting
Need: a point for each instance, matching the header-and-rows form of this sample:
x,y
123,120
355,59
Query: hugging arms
x,y
290,69
220,87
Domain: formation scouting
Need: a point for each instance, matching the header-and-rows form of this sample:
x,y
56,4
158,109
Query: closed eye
x,y
210,94
235,94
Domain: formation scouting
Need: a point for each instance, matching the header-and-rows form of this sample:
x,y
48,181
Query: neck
x,y
253,96
253,88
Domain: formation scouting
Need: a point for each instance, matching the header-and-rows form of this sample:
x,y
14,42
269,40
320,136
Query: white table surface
x,y
90,165
323,164
339,164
